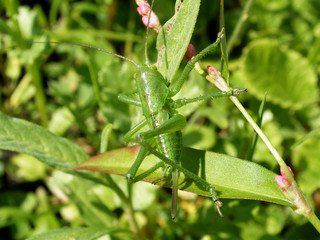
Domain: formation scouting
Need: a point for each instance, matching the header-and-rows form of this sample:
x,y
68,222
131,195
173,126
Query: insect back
x,y
152,89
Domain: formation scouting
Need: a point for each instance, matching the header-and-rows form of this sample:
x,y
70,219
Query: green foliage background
x,y
72,91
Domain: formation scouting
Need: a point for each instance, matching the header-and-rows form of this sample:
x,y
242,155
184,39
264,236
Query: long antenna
x,y
88,46
146,41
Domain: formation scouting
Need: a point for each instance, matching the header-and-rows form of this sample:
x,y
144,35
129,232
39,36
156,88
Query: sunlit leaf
x,y
175,36
74,233
287,76
232,177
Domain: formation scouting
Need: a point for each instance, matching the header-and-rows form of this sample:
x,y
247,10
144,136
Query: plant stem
x,y
236,32
263,137
127,200
293,192
131,218
128,207
96,87
33,69
314,220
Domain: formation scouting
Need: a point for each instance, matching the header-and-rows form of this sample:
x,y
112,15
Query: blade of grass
x,y
255,135
40,96
223,46
237,30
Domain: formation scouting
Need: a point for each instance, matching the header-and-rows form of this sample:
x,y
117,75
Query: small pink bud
x,y
213,72
139,2
191,52
282,172
282,182
143,9
154,23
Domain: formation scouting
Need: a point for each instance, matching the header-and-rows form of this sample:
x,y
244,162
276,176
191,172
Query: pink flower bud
x,y
213,72
282,182
139,2
143,9
191,52
282,172
154,23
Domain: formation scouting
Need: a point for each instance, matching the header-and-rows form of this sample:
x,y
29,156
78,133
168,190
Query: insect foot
x,y
221,33
237,91
215,200
140,138
129,177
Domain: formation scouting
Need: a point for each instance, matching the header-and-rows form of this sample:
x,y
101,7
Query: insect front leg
x,y
184,101
176,85
127,98
173,124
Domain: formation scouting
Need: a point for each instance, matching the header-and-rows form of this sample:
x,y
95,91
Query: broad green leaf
x,y
91,233
25,137
174,37
232,177
21,136
199,137
287,76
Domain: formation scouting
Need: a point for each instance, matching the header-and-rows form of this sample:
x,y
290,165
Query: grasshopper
x,y
164,137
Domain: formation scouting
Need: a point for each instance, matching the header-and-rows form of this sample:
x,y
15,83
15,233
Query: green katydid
x,y
160,114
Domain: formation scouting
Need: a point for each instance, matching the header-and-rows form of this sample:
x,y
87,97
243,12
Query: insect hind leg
x,y
187,173
163,177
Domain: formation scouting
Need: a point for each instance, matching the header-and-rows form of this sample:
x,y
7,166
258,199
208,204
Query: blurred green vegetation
x,y
72,91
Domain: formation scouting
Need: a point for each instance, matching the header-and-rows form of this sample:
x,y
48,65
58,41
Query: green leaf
x,y
287,76
25,137
21,136
223,45
232,177
91,233
174,37
199,137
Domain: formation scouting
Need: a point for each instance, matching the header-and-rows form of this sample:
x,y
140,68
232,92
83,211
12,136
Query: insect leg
x,y
126,98
175,123
175,178
146,173
142,153
187,173
135,129
176,85
184,101
131,174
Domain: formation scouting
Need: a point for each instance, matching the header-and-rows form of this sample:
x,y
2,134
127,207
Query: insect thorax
x,y
152,89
